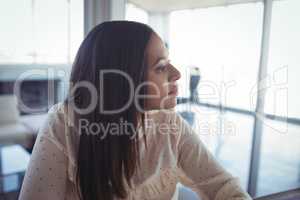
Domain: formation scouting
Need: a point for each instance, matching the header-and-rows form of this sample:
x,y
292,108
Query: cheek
x,y
158,85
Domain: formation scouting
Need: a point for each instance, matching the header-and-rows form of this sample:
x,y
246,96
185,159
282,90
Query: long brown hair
x,y
104,164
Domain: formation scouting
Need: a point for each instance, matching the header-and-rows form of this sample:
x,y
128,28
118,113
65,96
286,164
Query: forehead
x,y
155,49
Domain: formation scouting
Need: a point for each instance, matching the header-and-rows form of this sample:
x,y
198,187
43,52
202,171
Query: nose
x,y
175,74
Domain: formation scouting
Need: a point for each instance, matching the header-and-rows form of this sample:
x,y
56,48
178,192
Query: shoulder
x,y
55,127
61,113
57,109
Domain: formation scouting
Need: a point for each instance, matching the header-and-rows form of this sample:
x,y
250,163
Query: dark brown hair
x,y
104,164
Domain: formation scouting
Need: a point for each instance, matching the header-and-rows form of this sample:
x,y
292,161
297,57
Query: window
x,y
134,13
279,168
37,31
16,31
284,60
227,135
224,43
280,149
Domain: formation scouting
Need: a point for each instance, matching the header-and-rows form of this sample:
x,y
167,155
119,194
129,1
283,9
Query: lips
x,y
173,91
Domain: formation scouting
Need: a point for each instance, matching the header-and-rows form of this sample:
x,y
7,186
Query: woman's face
x,y
161,76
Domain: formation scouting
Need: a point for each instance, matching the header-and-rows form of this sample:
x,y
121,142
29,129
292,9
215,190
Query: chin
x,y
171,104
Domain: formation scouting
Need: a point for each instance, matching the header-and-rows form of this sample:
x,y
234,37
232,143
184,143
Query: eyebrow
x,y
160,59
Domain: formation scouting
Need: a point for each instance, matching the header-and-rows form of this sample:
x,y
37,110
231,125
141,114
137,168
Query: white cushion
x,y
16,134
9,110
33,122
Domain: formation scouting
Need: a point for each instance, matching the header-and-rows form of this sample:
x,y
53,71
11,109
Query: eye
x,y
161,68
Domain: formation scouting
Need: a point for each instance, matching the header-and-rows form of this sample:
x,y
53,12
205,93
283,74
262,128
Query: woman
x,y
122,76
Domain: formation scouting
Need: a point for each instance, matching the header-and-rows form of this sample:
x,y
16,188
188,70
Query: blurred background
x,y
240,67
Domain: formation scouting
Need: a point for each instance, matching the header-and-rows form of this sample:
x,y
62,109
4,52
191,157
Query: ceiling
x,y
171,5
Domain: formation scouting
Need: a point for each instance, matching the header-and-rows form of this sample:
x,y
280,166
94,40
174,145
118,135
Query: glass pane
x,y
76,17
284,61
16,31
51,31
224,42
10,183
34,33
279,168
14,158
235,144
134,13
228,136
